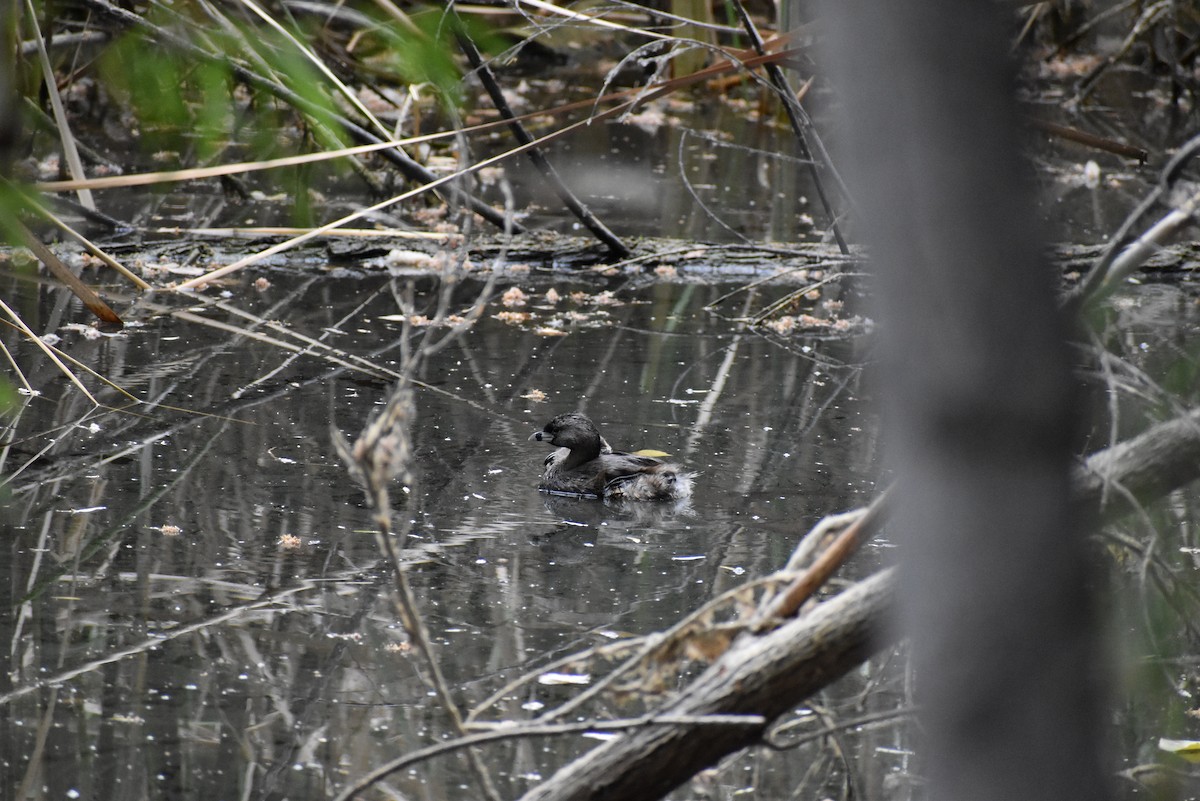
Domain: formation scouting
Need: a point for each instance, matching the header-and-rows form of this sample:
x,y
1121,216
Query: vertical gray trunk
x,y
977,402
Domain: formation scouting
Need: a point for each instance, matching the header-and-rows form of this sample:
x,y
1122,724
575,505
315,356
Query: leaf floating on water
x,y
512,317
781,325
1188,749
409,258
606,298
514,297
555,679
535,395
651,452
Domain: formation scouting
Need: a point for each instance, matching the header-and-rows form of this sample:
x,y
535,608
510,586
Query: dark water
x,y
202,609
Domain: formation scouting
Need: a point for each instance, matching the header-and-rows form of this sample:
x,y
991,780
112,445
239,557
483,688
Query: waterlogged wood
x,y
583,257
766,675
548,250
544,249
1142,469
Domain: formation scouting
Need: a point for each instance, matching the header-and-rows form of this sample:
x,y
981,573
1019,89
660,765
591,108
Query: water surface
x,y
203,612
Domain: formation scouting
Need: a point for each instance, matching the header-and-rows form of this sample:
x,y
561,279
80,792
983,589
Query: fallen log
x,y
770,674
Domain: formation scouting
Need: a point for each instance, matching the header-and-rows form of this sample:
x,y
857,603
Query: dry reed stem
x,y
70,150
92,247
49,351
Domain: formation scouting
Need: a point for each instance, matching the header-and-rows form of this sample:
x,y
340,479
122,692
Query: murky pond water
x,y
203,612
200,609
200,606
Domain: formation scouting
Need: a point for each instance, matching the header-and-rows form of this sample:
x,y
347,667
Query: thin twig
x,y
19,323
384,452
1148,16
862,722
1088,288
788,602
90,247
802,126
610,240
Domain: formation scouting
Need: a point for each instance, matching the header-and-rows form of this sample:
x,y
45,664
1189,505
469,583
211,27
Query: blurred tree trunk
x,y
10,99
977,402
11,761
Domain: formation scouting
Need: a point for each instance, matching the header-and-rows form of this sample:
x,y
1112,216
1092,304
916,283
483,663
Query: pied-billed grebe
x,y
584,464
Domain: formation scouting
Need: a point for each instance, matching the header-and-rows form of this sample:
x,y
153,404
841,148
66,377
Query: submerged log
x,y
1118,479
766,675
578,257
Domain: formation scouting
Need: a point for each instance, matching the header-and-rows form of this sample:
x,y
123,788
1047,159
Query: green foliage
x,y
423,52
8,396
211,110
170,97
181,101
11,205
14,202
302,211
290,67
1181,377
